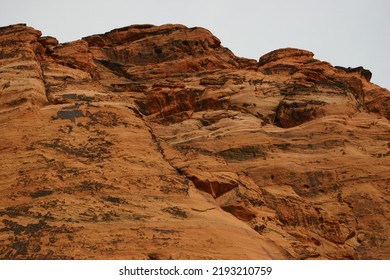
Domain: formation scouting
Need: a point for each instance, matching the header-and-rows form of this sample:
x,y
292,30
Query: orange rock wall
x,y
158,142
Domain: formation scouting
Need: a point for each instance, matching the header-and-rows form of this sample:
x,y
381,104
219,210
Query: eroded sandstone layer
x,y
156,142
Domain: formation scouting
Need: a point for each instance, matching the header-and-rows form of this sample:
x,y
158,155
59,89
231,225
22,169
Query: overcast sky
x,y
342,32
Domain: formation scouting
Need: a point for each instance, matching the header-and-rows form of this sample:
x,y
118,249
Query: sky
x,y
347,33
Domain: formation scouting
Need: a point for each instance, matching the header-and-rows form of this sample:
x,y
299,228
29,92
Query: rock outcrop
x,y
156,142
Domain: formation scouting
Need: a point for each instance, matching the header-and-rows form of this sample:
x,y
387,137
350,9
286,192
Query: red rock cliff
x,y
156,142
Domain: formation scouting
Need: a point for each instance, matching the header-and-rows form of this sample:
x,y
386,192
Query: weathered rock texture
x,y
156,142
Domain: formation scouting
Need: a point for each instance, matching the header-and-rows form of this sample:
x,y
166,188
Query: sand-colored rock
x,y
156,142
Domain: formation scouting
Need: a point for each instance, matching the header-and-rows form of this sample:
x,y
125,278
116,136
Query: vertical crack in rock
x,y
160,149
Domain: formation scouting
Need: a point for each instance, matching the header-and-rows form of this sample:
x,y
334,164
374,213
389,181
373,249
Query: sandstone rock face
x,y
156,142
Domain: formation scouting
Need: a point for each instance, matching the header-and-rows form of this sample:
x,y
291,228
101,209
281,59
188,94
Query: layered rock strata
x,y
156,142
